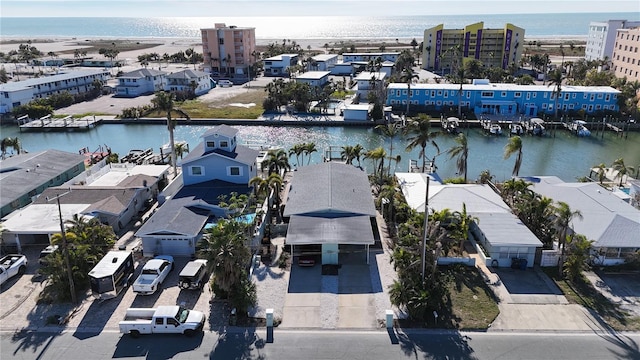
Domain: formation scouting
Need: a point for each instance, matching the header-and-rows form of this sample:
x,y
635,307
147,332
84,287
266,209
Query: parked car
x,y
44,254
194,275
225,83
154,272
164,319
12,265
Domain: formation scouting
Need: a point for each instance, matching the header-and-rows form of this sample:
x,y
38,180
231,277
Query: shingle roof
x,y
140,73
188,211
606,218
243,154
113,200
224,130
25,172
330,189
187,74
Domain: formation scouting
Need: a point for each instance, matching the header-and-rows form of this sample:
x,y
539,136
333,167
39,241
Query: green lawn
x,y
583,293
472,303
221,110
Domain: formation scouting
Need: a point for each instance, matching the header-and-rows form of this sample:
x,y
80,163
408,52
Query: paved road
x,y
355,345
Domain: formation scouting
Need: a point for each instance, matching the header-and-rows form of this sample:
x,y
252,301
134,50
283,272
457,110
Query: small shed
x,y
357,112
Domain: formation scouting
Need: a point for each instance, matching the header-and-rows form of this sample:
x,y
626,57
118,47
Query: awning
x,y
307,230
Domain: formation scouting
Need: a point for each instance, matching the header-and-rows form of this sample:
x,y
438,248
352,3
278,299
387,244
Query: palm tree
x,y
164,102
463,221
347,154
297,150
259,185
308,149
181,149
390,131
622,169
460,76
276,161
602,172
407,76
274,182
357,153
377,155
10,142
513,189
555,79
420,134
514,146
563,217
461,151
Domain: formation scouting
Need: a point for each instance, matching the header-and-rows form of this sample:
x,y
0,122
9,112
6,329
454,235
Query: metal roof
x,y
187,74
224,130
505,87
242,154
313,75
304,230
505,229
330,189
67,75
141,73
23,173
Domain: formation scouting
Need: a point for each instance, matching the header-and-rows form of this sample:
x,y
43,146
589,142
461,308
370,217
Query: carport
x,y
330,233
330,204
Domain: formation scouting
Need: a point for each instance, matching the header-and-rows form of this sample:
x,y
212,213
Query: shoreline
x,y
61,43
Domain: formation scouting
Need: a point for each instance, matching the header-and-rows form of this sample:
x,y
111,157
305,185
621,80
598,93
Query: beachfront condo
x,y
602,37
626,58
443,48
229,51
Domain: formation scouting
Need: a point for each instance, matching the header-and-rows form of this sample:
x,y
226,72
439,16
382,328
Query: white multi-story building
x,y
140,82
278,65
602,37
18,93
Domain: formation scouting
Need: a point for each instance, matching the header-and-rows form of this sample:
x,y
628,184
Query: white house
x,y
217,167
357,112
278,65
18,93
384,56
140,82
324,62
367,81
609,221
498,230
314,78
188,79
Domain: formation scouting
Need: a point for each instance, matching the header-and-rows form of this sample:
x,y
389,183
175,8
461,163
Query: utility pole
x,y
65,250
426,228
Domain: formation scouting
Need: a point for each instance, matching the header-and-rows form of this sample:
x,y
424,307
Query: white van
x,y
225,83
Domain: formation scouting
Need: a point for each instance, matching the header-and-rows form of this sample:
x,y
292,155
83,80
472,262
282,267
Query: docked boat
x,y
578,127
495,129
536,127
516,128
451,125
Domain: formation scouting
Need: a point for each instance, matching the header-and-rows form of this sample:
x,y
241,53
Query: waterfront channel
x,y
565,155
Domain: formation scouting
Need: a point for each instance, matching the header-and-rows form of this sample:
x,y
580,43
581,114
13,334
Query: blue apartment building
x,y
503,100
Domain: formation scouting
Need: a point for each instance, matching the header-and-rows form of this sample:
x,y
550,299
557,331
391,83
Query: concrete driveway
x,y
621,289
530,286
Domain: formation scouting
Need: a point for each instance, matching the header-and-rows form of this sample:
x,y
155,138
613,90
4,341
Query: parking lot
x,y
20,308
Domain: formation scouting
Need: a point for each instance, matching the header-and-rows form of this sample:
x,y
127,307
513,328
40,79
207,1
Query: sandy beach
x,y
173,45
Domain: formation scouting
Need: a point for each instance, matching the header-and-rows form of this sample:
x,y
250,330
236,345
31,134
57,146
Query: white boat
x,y
516,129
451,125
579,128
495,129
536,127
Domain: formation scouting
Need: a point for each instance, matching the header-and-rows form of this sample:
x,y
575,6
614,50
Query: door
x,y
330,254
160,325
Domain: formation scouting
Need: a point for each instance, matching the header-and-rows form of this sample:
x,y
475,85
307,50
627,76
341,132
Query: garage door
x,y
175,247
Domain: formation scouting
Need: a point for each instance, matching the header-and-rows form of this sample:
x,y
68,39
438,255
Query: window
x,y
608,97
600,96
439,92
211,144
234,171
592,97
503,94
398,93
487,94
517,94
172,321
446,94
433,93
221,41
197,171
159,321
224,144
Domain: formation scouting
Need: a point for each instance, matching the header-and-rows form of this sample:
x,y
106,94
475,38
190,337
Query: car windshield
x,y
182,315
150,271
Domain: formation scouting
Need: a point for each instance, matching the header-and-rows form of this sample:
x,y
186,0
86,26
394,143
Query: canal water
x,y
564,155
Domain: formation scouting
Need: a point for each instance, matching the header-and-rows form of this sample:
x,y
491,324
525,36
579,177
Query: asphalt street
x,y
292,344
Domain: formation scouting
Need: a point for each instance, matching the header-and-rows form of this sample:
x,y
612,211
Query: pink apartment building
x,y
229,51
626,57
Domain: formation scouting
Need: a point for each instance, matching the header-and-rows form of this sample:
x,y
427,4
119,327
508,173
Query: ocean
x,y
299,27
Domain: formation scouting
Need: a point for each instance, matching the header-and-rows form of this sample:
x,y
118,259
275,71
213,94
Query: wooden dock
x,y
48,123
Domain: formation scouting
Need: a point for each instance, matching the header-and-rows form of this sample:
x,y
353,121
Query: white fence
x,y
549,258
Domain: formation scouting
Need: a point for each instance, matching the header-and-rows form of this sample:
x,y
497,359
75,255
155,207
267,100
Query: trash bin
x,y
523,264
515,263
233,318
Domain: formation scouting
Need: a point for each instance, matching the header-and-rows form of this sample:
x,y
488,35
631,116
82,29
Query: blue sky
x,y
208,8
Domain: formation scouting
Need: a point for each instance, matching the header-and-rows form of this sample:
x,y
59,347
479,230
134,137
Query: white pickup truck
x,y
12,265
164,319
154,272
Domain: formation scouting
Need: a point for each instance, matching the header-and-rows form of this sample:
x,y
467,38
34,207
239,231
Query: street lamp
x,y
65,250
